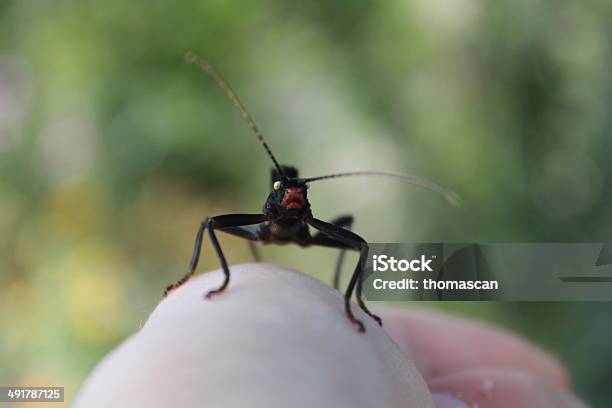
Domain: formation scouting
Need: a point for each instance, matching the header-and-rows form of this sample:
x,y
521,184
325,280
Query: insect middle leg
x,y
345,221
254,251
348,239
221,222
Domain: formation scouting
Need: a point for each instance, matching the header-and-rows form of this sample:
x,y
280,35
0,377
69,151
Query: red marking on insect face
x,y
293,198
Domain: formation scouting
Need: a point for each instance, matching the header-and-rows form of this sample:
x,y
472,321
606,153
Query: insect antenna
x,y
193,58
448,194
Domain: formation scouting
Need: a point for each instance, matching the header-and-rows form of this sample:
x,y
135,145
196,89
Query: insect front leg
x,y
228,221
350,239
193,264
345,221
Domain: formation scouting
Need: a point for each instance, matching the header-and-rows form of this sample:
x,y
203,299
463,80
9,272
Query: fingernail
x,y
447,401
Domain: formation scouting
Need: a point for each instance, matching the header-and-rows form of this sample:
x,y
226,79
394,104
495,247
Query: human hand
x,y
470,364
279,338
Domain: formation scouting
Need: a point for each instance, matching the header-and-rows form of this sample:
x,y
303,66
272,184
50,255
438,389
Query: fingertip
x,y
442,344
443,400
274,337
501,388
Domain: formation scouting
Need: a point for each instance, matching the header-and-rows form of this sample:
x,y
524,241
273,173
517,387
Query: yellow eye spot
x,y
277,185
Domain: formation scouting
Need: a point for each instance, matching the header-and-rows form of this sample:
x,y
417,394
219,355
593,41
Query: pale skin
x,y
278,338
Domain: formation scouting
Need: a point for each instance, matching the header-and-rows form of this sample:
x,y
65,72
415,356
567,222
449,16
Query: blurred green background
x,y
112,150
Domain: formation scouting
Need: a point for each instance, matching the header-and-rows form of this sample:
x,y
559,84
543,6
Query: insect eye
x,y
277,185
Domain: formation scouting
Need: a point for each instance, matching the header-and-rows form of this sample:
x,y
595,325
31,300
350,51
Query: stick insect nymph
x,y
287,218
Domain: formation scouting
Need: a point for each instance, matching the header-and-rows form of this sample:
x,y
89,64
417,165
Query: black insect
x,y
286,216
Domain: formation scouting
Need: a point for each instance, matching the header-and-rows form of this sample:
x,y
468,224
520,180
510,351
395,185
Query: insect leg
x,y
360,299
349,238
249,234
194,259
254,251
217,222
228,222
342,221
